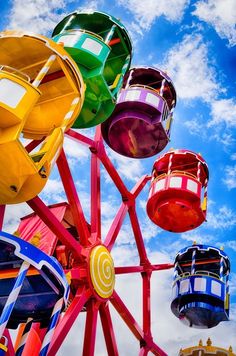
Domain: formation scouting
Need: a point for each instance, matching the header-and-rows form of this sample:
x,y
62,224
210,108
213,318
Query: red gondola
x,y
178,195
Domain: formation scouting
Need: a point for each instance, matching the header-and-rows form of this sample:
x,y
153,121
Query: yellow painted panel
x,y
102,271
21,178
63,81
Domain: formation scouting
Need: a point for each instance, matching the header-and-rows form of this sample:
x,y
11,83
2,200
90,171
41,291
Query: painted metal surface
x,y
200,297
101,47
140,124
102,271
58,81
178,194
41,94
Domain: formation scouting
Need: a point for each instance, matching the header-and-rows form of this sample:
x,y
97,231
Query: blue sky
x,y
194,41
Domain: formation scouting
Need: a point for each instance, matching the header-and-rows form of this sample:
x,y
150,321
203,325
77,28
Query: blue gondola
x,y
201,286
44,284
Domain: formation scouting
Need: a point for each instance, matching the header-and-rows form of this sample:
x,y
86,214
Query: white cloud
x,y
221,219
128,168
12,216
230,177
221,14
42,16
195,77
53,191
38,16
230,244
76,152
146,12
217,133
223,110
200,238
189,68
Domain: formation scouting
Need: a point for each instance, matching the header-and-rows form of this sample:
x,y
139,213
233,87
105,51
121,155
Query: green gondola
x,y
101,47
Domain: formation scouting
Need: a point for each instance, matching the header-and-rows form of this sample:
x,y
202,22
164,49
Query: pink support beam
x,y
143,268
96,192
73,199
162,266
108,330
138,235
129,269
133,325
2,213
115,227
33,144
156,350
57,228
113,173
126,316
143,351
146,304
90,328
67,321
81,138
140,185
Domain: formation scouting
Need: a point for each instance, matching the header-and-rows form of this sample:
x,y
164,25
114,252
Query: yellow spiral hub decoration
x,y
102,271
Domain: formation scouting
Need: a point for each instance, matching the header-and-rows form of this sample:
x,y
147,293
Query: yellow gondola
x,y
50,71
41,94
22,175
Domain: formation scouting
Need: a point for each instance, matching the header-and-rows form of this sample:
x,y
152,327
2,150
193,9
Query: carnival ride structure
x,y
206,350
57,264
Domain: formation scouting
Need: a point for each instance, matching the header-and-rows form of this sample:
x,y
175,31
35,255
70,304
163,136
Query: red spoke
x,y
90,328
127,316
73,199
146,303
113,173
129,269
143,268
143,351
162,266
67,321
134,327
140,185
81,138
33,144
115,227
57,228
156,350
108,330
138,235
95,194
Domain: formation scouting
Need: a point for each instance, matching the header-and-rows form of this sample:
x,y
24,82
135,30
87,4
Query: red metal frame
x,y
85,298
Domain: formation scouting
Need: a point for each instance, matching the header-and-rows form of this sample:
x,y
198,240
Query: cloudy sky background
x,y
194,41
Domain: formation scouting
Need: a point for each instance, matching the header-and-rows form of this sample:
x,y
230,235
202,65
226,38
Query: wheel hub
x,y
102,272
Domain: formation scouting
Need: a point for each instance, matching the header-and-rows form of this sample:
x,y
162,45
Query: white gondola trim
x,y
192,186
175,182
159,185
216,288
152,99
199,284
132,95
184,286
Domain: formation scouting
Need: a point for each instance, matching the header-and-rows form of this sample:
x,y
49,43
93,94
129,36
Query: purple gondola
x,y
140,124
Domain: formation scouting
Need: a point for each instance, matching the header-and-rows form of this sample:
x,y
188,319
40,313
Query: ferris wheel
x,y
57,264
